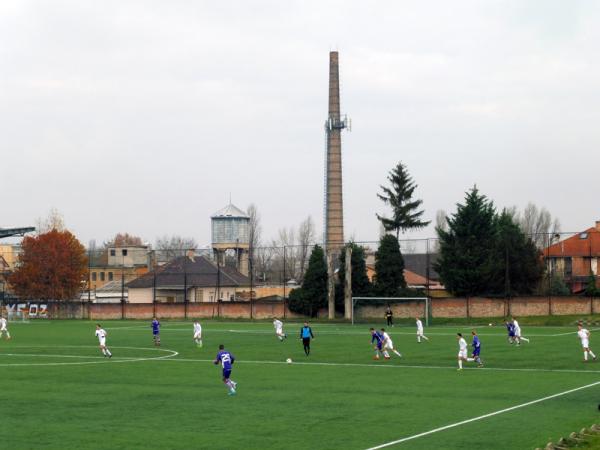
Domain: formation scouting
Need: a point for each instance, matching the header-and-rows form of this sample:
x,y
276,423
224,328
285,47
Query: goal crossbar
x,y
397,300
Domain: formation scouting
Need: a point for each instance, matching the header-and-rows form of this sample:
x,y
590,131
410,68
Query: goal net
x,y
16,316
368,308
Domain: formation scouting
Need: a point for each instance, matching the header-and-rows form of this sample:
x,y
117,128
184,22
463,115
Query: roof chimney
x,y
190,254
597,225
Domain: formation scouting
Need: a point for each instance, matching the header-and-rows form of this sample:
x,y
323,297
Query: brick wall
x,y
440,307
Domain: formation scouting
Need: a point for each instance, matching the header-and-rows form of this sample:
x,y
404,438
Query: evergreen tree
x,y
389,268
590,289
361,285
515,261
558,286
405,213
464,261
312,295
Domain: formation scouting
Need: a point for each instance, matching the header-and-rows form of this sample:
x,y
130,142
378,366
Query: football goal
x,y
365,308
16,316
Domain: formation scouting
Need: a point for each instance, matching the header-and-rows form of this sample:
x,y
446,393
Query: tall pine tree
x,y
312,296
389,268
405,211
515,260
465,258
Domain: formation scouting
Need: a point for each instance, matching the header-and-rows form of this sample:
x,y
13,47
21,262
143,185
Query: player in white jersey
x,y
197,333
518,337
420,331
4,328
388,345
101,335
278,325
584,335
462,351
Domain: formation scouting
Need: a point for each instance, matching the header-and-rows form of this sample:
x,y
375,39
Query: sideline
x,y
485,416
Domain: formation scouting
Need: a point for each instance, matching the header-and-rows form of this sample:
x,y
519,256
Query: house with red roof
x,y
575,258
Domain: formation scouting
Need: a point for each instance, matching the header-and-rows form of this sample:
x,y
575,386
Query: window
x,y
93,276
112,252
583,235
124,252
110,276
101,276
568,266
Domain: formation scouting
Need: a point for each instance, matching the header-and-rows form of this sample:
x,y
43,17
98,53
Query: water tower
x,y
231,231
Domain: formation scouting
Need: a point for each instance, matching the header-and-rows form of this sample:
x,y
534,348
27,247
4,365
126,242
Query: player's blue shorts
x,y
226,373
476,351
155,332
511,334
379,346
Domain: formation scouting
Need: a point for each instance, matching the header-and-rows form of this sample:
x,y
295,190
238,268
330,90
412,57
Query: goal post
x,y
375,302
16,316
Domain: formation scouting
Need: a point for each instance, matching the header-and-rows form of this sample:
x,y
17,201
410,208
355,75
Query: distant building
x,y
195,278
575,258
118,264
230,230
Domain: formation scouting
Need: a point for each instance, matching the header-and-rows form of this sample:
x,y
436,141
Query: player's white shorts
x,y
102,342
420,332
3,329
388,345
462,353
198,335
518,332
585,343
279,331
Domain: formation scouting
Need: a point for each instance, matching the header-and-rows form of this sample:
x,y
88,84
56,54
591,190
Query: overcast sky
x,y
143,117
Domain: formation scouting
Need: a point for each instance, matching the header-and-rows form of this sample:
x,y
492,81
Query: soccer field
x,y
59,392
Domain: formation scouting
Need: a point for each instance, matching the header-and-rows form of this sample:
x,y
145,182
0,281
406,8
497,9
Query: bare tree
x,y
173,246
53,221
538,224
123,240
441,223
255,232
263,257
306,237
286,254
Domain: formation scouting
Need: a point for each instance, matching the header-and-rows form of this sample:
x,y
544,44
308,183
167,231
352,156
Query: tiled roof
x,y
586,243
196,272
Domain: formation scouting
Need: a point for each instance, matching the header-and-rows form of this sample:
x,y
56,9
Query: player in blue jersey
x,y
510,328
476,344
156,331
226,360
378,339
306,335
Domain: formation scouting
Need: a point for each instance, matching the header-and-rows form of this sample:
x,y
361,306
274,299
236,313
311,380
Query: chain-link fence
x,y
139,274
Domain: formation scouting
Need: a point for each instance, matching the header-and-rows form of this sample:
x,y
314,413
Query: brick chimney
x,y
597,225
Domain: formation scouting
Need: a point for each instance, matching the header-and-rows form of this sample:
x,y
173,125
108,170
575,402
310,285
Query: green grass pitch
x,y
58,392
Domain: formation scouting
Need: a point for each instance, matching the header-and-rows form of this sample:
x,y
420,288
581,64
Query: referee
x,y
306,334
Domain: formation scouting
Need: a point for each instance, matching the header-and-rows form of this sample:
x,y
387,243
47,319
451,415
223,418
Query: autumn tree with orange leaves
x,y
53,266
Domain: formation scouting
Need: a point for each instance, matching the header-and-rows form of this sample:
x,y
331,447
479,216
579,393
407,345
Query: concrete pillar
x,y
348,285
330,287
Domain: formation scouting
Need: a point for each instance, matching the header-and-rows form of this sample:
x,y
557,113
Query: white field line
x,y
390,366
570,332
485,416
348,333
101,359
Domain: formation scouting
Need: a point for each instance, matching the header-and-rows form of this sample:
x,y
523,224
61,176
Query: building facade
x,y
576,258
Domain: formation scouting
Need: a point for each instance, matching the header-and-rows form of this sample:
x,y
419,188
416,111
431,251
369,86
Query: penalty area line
x,y
485,416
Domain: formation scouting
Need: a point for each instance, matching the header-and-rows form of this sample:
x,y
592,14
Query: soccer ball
x,y
490,324
289,360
